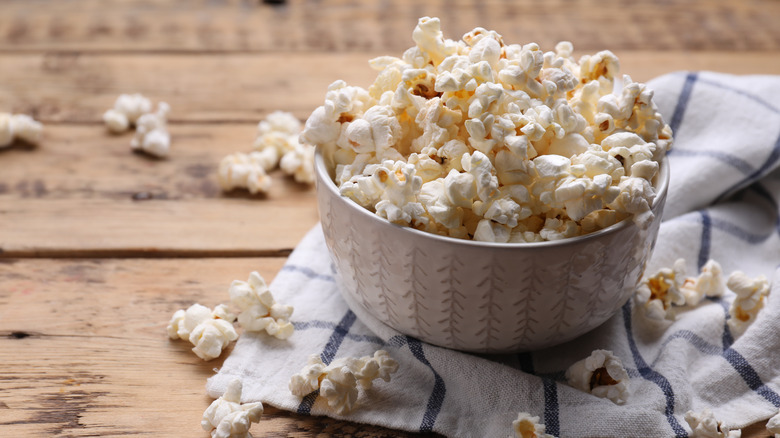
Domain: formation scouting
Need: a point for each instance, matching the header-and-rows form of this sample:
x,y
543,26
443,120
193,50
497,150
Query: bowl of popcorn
x,y
490,197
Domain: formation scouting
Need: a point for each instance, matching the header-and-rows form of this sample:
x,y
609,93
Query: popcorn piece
x,y
151,132
528,426
226,417
209,331
514,119
657,294
773,425
126,111
751,294
338,382
708,283
259,310
244,171
339,387
19,127
601,374
299,163
704,425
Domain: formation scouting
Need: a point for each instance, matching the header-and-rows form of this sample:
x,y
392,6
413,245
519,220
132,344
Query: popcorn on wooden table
x,y
151,132
126,111
210,331
19,127
259,309
227,417
246,171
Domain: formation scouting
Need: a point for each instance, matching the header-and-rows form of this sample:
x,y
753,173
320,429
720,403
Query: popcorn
x,y
773,425
299,162
19,127
276,145
704,425
126,111
338,382
151,132
527,426
601,374
244,171
656,295
226,417
708,283
208,330
751,294
514,118
259,310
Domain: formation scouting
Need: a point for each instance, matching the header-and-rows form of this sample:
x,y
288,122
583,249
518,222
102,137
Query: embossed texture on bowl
x,y
479,296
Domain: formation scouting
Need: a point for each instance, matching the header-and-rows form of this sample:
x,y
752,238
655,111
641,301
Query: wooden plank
x,y
84,193
84,350
342,25
239,87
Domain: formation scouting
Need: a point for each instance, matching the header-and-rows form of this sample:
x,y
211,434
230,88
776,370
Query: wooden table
x,y
99,246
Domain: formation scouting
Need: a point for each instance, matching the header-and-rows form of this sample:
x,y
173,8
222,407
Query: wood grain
x,y
78,88
340,25
84,350
84,193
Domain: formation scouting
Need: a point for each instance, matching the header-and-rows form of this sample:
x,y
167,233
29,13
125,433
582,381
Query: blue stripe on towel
x,y
340,332
551,420
768,163
709,223
750,376
653,376
725,157
436,400
706,238
742,93
308,272
318,324
682,101
337,337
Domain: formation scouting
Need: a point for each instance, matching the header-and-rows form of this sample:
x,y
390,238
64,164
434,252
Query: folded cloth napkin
x,y
723,204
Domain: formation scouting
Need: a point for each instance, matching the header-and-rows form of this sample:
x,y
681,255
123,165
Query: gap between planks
x,y
139,253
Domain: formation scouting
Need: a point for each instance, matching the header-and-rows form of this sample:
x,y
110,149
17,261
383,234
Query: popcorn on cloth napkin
x,y
722,204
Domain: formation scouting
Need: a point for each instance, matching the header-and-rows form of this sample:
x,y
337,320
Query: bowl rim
x,y
662,178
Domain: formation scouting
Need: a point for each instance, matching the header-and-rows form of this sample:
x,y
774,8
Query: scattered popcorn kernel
x,y
751,294
514,119
151,132
126,111
709,283
259,310
601,374
338,382
245,171
704,425
773,425
19,127
299,162
657,294
210,331
528,426
339,387
226,417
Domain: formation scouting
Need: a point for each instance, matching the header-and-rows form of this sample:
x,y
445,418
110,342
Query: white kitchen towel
x,y
723,204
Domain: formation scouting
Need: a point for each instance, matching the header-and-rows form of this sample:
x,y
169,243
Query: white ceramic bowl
x,y
478,296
